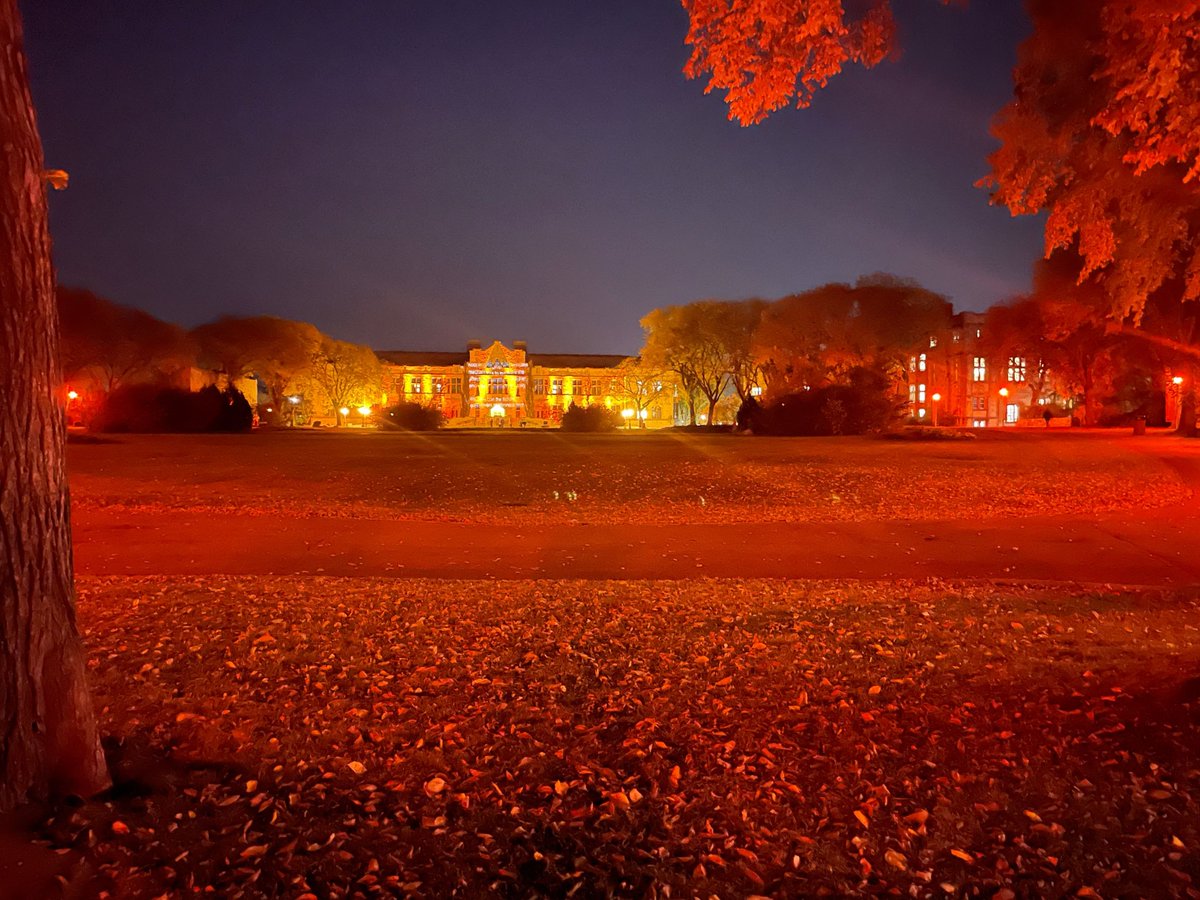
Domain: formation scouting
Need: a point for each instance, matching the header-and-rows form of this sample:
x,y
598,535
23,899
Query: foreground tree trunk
x,y
49,744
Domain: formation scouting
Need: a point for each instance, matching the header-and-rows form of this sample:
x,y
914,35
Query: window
x,y
576,386
920,393
912,393
979,423
456,385
922,364
497,385
979,369
556,385
978,332
932,342
415,384
978,404
912,363
921,413
539,385
1011,413
1016,369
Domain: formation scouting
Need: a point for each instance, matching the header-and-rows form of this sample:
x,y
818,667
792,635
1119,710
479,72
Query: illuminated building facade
x,y
499,386
956,381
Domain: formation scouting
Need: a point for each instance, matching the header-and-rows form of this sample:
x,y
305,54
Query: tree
x,y
277,351
117,344
708,345
638,386
763,53
822,336
346,374
1103,132
50,739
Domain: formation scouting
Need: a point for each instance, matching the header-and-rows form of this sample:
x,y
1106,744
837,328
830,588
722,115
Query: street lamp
x,y
293,401
345,411
1177,391
1003,396
364,411
627,415
935,398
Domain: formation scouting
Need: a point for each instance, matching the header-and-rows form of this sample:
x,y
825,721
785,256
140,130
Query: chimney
x,y
474,345
519,345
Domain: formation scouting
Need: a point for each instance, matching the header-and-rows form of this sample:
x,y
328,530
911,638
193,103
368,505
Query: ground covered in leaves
x,y
640,478
332,738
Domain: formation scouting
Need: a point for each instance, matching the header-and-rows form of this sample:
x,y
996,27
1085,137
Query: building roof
x,y
576,360
422,357
459,358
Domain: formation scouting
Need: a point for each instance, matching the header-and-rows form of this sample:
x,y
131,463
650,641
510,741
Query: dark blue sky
x,y
411,175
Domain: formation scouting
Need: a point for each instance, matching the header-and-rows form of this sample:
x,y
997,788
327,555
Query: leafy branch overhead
x,y
1103,133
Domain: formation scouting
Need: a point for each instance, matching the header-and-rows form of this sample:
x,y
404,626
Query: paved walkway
x,y
1155,547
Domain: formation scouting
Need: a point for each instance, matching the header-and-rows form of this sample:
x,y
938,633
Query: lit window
x,y
576,386
1011,413
932,342
979,423
539,385
1016,369
978,332
979,369
921,413
912,393
912,363
456,385
755,391
956,338
921,363
415,385
556,385
920,393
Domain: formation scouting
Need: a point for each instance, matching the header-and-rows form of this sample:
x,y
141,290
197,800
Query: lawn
x,y
552,477
330,738
313,737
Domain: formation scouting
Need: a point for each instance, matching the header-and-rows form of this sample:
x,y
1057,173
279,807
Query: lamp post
x,y
344,411
1004,409
364,411
293,402
935,398
1177,395
627,415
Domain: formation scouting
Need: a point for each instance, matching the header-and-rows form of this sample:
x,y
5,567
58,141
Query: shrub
x,y
590,418
411,417
865,404
148,408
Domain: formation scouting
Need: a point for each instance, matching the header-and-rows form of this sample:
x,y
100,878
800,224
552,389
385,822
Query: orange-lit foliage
x,y
764,53
1103,133
824,335
1104,130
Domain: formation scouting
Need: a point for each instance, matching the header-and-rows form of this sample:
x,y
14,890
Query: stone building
x,y
498,386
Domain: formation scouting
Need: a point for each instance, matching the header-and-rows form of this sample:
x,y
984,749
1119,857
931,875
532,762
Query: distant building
x,y
972,387
498,386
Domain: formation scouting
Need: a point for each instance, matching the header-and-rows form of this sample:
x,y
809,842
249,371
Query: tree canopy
x,y
1103,132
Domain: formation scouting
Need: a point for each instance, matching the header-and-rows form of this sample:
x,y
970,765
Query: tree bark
x,y
49,743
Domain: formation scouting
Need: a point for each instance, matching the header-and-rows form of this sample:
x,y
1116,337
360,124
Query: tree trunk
x,y
49,744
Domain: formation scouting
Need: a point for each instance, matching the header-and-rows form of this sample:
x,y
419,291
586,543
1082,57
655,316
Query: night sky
x,y
411,175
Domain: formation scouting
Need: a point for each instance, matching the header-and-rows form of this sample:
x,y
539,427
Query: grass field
x,y
313,737
636,478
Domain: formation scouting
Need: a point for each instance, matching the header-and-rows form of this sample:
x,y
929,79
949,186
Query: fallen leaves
x,y
434,738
